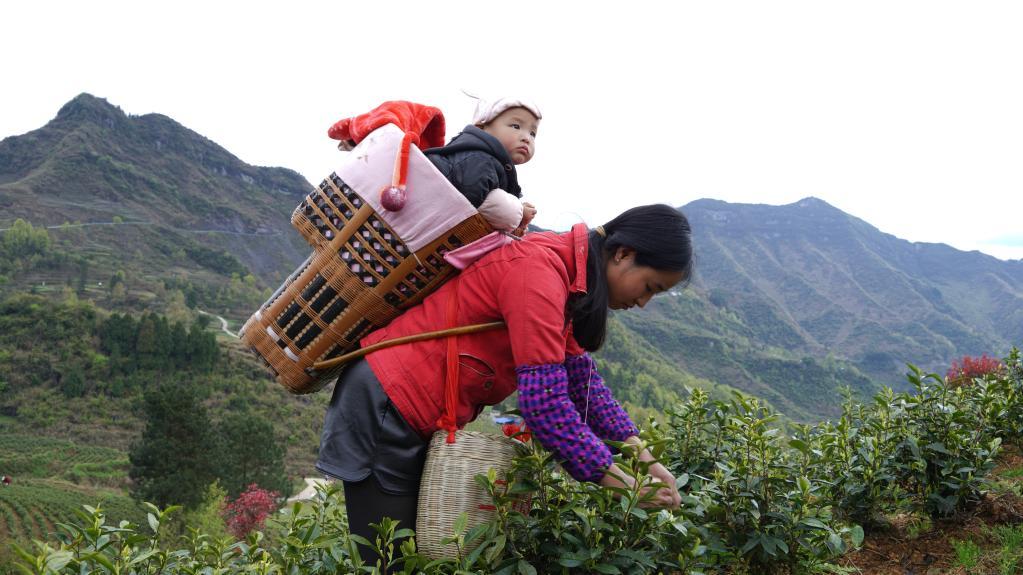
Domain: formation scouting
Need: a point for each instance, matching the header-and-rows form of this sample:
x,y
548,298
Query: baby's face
x,y
516,129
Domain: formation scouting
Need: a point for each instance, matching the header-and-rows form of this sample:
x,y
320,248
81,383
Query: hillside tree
x,y
173,461
250,453
23,240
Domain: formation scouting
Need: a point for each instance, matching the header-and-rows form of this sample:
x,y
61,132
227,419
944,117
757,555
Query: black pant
x,y
367,503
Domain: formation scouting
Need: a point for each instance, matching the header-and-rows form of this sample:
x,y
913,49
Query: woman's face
x,y
630,284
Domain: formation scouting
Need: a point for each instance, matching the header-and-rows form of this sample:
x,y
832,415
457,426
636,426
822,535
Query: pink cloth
x,y
502,210
433,207
465,255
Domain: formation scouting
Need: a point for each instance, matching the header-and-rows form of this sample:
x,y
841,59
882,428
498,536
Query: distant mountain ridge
x,y
816,282
93,163
789,303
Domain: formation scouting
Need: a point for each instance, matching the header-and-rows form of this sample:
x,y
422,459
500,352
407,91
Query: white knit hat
x,y
487,111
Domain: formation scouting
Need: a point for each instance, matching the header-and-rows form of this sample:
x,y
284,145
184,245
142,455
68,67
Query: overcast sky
x,y
905,114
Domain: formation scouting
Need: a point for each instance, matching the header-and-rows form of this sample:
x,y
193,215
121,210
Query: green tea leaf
x,y
856,533
461,522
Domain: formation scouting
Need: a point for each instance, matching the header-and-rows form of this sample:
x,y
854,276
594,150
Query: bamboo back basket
x,y
448,487
368,264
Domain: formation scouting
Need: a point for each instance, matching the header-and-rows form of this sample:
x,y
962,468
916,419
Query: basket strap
x,y
400,176
353,355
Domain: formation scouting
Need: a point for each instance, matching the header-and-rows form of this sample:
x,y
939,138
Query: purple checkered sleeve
x,y
601,411
552,417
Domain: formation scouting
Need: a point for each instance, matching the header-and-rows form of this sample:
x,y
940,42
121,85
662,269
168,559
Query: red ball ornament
x,y
393,198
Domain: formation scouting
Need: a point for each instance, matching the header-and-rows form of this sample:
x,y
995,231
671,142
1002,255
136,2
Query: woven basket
x,y
448,487
368,265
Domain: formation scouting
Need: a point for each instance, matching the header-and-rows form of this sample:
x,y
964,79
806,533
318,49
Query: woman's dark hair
x,y
660,236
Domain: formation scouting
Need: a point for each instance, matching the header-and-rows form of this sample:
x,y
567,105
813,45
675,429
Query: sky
x,y
907,115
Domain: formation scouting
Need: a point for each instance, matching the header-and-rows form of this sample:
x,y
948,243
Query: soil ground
x,y
912,547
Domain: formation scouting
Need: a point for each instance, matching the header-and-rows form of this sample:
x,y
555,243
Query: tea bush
x,y
757,498
759,503
861,453
952,443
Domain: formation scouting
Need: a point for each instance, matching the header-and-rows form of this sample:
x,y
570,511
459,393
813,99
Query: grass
x,y
996,549
918,525
967,553
1013,474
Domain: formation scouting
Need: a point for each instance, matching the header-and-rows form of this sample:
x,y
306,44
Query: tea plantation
x,y
758,498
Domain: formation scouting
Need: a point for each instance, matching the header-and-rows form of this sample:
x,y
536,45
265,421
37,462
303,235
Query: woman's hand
x,y
615,477
664,493
661,474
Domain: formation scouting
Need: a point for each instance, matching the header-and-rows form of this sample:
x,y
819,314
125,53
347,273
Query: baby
x,y
480,161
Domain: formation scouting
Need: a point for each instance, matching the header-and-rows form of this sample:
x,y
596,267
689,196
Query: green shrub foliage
x,y
756,498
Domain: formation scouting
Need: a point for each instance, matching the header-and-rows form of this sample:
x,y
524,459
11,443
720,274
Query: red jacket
x,y
526,284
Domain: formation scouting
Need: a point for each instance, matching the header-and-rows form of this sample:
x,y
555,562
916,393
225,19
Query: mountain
x,y
150,190
808,289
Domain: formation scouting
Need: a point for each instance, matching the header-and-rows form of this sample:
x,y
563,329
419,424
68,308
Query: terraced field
x,y
31,508
51,480
24,456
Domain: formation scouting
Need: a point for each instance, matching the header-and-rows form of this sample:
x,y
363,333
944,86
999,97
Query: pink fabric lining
x,y
472,251
433,207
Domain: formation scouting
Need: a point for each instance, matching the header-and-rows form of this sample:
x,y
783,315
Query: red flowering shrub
x,y
250,510
963,372
515,431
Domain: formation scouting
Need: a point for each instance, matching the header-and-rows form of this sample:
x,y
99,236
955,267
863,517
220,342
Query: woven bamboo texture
x,y
360,276
448,487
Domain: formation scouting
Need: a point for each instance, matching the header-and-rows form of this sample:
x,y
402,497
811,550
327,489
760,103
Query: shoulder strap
x,y
454,331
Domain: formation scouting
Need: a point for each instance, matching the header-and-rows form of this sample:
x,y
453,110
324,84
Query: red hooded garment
x,y
426,122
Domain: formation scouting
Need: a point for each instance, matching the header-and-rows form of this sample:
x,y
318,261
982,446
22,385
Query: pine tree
x,y
117,337
250,453
72,383
179,346
146,342
162,344
203,349
83,276
115,279
173,462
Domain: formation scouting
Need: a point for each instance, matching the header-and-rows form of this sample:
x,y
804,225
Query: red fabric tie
x,y
401,162
449,420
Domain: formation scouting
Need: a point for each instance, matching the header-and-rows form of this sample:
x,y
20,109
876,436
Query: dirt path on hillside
x,y
223,322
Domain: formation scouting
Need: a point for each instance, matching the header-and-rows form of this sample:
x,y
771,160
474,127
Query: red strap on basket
x,y
393,198
449,419
401,162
